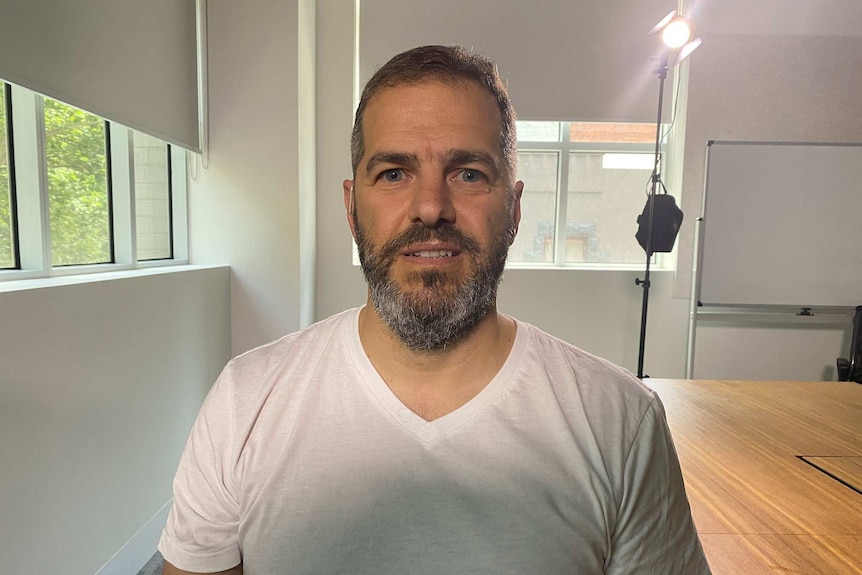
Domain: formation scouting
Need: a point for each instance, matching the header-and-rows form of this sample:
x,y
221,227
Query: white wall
x,y
339,282
769,351
245,206
600,311
99,385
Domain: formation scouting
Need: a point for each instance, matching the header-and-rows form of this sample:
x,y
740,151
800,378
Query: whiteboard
x,y
782,225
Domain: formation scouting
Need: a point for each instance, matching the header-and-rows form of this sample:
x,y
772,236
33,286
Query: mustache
x,y
418,233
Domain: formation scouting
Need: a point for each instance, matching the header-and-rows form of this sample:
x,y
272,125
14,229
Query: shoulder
x,y
578,377
560,354
295,347
250,378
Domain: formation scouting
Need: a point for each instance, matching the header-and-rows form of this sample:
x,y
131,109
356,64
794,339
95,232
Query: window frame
x,y
170,194
30,200
10,151
564,147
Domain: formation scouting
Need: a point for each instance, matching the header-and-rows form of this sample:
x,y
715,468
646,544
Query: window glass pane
x,y
603,205
538,131
7,230
627,133
535,240
78,194
152,198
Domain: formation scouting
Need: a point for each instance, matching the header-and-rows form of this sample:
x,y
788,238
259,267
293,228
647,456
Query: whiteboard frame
x,y
775,315
815,259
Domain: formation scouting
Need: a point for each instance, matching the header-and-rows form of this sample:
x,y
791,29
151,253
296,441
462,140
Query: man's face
x,y
433,209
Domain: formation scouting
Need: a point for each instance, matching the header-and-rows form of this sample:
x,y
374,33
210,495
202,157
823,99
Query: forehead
x,y
459,113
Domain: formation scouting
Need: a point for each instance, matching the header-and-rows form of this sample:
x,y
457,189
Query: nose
x,y
431,203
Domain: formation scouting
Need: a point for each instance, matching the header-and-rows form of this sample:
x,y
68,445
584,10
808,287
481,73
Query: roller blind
x,y
130,61
562,59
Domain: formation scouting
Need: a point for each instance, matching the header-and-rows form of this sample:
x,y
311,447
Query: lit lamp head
x,y
676,35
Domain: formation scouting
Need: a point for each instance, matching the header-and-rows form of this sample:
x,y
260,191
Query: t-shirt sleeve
x,y
201,533
654,532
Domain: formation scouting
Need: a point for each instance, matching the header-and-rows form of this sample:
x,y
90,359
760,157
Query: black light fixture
x,y
661,219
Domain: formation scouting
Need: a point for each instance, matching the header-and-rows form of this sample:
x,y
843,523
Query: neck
x,y
433,383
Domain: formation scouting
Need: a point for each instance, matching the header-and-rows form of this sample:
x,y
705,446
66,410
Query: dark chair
x,y
851,369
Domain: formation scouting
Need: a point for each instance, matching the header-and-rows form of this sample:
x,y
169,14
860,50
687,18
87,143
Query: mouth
x,y
432,254
431,251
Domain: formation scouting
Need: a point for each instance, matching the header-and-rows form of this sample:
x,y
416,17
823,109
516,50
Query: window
x,y
153,198
79,194
8,257
604,170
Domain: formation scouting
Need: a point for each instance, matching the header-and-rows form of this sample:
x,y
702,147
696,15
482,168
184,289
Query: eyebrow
x,y
397,158
460,157
451,158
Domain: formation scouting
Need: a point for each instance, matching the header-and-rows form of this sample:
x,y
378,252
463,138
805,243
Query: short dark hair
x,y
450,64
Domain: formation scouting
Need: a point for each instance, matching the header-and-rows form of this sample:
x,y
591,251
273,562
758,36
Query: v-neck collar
x,y
428,431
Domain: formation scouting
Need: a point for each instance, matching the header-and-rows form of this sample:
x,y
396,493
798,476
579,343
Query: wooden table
x,y
758,507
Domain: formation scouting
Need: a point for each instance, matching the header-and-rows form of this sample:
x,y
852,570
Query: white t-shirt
x,y
302,460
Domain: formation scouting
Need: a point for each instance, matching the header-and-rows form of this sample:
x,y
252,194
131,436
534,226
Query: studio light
x,y
661,219
676,34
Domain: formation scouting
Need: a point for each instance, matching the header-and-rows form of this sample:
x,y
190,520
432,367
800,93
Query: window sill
x,y
587,267
13,285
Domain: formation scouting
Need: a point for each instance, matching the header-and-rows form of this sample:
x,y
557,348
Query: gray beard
x,y
444,311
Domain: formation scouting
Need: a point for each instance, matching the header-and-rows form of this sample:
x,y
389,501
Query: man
x,y
427,432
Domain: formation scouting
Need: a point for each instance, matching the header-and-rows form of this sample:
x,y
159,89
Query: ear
x,y
516,207
349,202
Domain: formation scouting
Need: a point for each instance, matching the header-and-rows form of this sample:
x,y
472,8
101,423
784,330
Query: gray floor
x,y
154,566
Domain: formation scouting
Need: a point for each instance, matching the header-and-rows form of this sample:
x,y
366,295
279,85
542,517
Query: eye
x,y
471,176
392,176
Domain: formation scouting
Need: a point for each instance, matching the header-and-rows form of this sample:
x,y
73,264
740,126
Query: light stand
x,y
676,35
661,71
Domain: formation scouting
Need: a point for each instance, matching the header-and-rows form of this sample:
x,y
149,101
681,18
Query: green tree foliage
x,y
6,253
77,185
